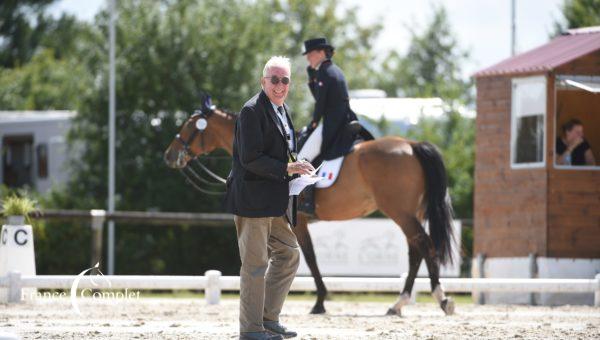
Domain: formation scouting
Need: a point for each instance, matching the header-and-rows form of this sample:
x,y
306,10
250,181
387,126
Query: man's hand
x,y
300,167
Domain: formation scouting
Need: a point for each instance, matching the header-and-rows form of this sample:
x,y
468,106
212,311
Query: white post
x,y
533,273
111,138
14,287
477,271
213,287
597,294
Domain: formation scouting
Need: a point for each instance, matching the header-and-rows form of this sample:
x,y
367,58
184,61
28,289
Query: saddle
x,y
330,169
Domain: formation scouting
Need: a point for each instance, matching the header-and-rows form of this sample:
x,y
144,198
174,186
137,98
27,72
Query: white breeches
x,y
312,147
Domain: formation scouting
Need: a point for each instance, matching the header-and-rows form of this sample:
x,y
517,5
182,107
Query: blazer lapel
x,y
271,113
287,110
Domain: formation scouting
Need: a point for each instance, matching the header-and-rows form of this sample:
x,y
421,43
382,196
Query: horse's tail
x,y
439,208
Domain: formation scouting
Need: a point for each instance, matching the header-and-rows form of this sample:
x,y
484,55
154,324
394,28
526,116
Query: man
x,y
258,196
331,138
571,147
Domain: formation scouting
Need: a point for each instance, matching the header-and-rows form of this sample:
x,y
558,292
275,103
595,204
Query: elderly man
x,y
258,196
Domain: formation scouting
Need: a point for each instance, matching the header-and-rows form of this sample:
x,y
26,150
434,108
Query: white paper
x,y
298,184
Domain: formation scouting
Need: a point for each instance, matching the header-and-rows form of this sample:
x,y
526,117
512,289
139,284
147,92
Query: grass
x,y
347,297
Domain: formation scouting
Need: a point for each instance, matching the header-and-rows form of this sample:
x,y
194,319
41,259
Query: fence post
x,y
213,287
14,287
597,294
477,271
98,218
533,273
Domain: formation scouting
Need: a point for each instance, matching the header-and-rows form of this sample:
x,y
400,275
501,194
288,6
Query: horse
x,y
404,179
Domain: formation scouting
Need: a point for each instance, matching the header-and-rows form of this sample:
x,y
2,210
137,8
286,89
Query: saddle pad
x,y
329,171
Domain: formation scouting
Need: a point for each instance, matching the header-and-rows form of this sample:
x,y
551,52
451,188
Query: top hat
x,y
316,44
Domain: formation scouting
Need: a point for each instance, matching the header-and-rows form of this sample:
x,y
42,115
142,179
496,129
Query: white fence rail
x,y
213,283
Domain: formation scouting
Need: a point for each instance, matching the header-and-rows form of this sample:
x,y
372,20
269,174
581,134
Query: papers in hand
x,y
298,184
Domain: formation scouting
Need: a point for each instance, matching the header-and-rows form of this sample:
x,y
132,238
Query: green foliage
x,y
22,26
167,53
45,83
578,13
17,206
431,67
455,136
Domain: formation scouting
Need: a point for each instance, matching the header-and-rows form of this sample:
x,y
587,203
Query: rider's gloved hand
x,y
312,73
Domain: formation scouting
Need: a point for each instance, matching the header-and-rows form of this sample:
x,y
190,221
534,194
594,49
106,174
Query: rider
x,y
330,138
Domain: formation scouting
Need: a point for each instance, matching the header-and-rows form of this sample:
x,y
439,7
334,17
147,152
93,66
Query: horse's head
x,y
202,133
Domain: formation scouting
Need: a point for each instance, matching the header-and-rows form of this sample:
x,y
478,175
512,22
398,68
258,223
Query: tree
x,y
578,13
35,70
44,83
432,68
167,53
22,27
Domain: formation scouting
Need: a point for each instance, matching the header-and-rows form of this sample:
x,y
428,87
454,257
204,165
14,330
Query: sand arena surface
x,y
157,318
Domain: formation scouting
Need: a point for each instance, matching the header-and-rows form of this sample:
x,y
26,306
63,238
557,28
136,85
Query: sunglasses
x,y
275,80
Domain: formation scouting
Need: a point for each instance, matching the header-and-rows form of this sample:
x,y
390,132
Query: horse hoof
x,y
392,311
317,310
447,306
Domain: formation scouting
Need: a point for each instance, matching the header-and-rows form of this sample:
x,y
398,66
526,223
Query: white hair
x,y
278,61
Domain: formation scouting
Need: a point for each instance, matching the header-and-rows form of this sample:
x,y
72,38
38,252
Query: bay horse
x,y
406,180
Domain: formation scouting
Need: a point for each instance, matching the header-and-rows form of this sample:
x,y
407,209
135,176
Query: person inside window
x,y
571,147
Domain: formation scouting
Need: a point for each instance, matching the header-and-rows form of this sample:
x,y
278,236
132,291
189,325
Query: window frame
x,y
513,119
557,84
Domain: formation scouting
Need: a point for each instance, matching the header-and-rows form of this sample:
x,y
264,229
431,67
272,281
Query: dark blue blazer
x,y
258,183
328,87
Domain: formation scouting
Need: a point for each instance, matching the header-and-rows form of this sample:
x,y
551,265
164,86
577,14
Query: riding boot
x,y
307,203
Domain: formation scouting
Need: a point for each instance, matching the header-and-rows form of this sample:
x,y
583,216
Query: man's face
x,y
276,92
314,57
575,133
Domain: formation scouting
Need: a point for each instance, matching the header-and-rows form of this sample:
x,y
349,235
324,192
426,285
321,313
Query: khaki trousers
x,y
270,256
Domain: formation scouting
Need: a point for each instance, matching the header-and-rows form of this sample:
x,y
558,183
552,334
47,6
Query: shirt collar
x,y
275,107
321,63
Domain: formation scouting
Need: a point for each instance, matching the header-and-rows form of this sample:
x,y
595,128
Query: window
x,y
577,98
42,160
528,122
17,161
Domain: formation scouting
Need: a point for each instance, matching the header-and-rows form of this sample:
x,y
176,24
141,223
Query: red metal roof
x,y
559,51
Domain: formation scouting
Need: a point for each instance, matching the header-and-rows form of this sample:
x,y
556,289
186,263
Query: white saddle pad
x,y
329,171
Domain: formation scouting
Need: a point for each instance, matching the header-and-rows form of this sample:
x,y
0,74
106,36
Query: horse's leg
x,y
301,231
414,261
426,247
411,228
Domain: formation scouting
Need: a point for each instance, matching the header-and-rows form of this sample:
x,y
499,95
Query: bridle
x,y
190,174
187,143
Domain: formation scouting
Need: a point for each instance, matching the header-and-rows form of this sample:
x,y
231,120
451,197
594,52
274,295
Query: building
x,y
533,217
34,148
392,116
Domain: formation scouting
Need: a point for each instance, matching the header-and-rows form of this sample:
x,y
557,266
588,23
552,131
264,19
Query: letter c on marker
x,y
24,240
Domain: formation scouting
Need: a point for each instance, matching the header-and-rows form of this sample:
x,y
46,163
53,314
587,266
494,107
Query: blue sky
x,y
482,27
